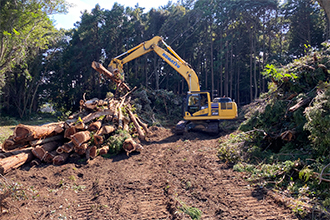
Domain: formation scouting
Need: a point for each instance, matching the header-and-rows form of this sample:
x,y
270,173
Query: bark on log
x,y
15,161
144,126
46,140
41,150
80,137
11,153
10,144
60,159
136,124
130,145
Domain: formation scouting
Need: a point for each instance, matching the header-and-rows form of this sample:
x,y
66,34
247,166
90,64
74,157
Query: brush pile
x,y
100,127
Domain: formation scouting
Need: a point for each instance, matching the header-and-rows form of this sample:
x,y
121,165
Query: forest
x,y
227,42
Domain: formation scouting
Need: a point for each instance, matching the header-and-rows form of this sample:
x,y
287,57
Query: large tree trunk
x,y
29,133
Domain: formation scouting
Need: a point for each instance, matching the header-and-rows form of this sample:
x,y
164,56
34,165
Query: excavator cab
x,y
202,114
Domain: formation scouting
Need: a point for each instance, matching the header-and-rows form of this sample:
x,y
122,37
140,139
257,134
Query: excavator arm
x,y
172,58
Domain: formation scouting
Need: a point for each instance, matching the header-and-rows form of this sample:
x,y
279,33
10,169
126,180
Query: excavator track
x,y
209,127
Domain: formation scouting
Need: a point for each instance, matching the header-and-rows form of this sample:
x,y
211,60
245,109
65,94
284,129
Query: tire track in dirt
x,y
85,204
198,179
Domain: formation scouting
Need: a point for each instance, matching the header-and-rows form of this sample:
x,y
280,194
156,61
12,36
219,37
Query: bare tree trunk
x,y
221,73
226,71
156,72
231,71
212,70
251,54
255,68
238,82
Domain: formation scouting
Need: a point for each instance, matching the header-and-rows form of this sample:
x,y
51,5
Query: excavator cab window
x,y
193,103
196,102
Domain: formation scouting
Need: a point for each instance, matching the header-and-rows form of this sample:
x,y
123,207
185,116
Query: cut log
x,y
46,140
136,124
106,129
95,126
48,158
29,132
144,126
126,122
81,150
103,150
65,148
91,104
80,137
15,161
60,159
69,131
92,116
98,139
130,145
41,150
91,152
99,68
80,126
10,144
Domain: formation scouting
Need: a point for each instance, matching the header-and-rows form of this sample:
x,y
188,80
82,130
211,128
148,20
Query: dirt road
x,y
172,174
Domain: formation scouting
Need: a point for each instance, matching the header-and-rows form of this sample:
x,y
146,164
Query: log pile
x,y
85,133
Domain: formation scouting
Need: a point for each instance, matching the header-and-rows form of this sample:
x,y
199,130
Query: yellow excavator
x,y
199,111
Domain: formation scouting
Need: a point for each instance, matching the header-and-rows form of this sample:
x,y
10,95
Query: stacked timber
x,y
84,133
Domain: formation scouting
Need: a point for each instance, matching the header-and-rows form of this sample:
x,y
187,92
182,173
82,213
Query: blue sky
x,y
67,21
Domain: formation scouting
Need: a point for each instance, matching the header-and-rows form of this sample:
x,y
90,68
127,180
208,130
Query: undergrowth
x,y
284,143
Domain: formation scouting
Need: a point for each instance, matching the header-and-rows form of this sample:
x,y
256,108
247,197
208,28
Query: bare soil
x,y
172,172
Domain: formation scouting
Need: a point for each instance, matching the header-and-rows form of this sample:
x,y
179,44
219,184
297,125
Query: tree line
x,y
227,42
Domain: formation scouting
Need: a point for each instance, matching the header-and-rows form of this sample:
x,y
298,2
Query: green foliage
x,y
229,153
193,212
318,119
277,74
115,142
274,171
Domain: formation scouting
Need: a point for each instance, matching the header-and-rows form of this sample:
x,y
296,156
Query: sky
x,y
67,21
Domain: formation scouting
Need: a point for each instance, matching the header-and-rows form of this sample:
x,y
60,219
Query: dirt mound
x,y
174,177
